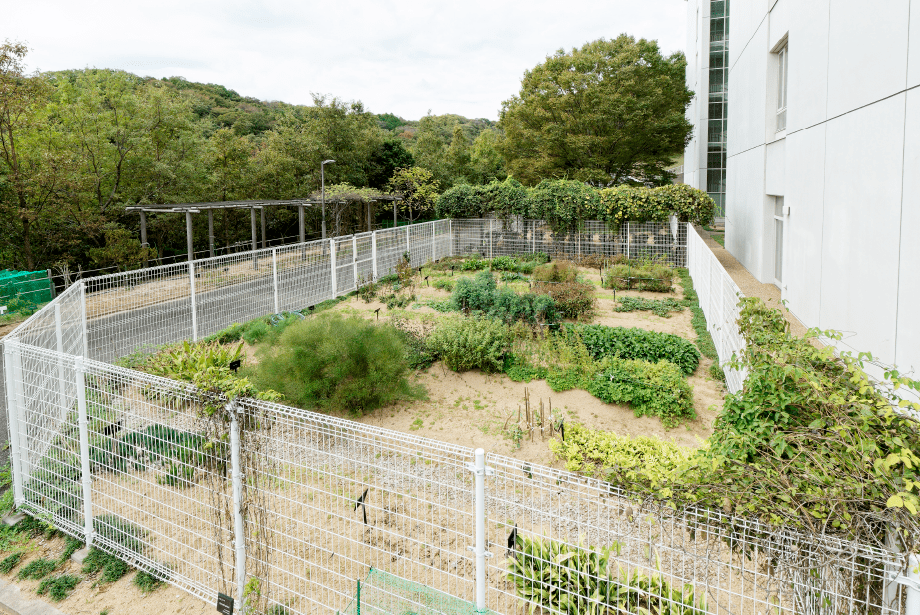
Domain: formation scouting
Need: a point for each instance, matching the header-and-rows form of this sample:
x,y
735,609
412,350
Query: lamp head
x,y
328,161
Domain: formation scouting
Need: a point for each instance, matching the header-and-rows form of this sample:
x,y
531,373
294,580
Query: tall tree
x,y
33,164
605,113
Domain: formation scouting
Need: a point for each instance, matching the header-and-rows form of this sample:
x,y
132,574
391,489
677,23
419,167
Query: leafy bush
x,y
653,389
556,271
578,580
336,362
58,587
572,299
650,276
470,343
480,294
444,284
635,343
503,263
184,361
659,307
618,459
418,355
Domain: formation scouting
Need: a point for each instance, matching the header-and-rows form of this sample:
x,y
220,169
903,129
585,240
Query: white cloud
x,y
396,56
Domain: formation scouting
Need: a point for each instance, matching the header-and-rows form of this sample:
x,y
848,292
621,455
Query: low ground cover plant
x,y
336,362
466,343
652,389
635,343
636,275
659,307
604,454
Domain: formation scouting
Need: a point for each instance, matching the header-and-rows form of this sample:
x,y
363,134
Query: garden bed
x,y
473,408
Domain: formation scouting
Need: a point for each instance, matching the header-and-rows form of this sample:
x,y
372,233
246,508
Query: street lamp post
x,y
322,180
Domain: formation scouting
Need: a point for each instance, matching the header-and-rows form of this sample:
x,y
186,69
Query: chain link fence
x,y
286,509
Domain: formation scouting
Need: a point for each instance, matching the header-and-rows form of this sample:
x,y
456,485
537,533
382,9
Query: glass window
x,y
781,88
778,220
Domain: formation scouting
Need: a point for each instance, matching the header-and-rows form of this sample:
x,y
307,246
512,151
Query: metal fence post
x,y
12,411
450,233
490,237
275,278
374,253
913,586
354,258
191,278
628,237
83,308
431,224
239,535
62,374
480,471
332,264
83,423
533,236
408,242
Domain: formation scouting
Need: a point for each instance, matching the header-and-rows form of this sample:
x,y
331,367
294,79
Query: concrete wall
x,y
847,164
698,81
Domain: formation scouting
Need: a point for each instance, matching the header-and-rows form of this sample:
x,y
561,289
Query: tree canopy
x,y
608,113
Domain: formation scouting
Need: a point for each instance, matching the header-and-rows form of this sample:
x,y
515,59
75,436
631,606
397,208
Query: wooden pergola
x,y
194,208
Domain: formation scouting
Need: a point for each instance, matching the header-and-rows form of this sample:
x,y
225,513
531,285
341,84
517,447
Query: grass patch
x,y
37,569
10,562
70,547
58,587
111,567
659,307
703,339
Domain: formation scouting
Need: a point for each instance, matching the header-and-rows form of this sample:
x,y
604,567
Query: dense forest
x,y
77,147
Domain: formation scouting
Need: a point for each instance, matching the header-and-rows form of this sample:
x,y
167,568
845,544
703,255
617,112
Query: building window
x,y
778,218
782,88
715,128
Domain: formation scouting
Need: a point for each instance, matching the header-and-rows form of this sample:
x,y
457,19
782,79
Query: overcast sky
x,y
400,57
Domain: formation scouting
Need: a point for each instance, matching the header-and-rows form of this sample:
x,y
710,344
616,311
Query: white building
x,y
822,191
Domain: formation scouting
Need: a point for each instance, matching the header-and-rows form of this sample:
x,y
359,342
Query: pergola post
x,y
211,232
255,239
188,235
369,205
262,213
144,235
302,235
394,214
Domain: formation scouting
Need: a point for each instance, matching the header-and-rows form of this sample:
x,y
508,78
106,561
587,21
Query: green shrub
x,y
518,369
653,389
635,343
480,294
58,587
649,276
503,263
470,343
579,580
444,284
186,360
336,362
418,355
617,459
37,569
659,307
571,299
10,562
556,271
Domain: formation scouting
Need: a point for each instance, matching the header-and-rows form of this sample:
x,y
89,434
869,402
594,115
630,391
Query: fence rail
x,y
285,508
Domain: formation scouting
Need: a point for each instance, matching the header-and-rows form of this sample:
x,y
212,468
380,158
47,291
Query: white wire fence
x,y
286,509
718,297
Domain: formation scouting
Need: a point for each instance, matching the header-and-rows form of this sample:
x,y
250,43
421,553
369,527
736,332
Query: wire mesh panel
x,y
304,275
391,245
127,312
345,261
719,298
232,288
338,498
564,544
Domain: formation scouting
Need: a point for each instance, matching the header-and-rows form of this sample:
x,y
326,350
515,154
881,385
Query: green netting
x,y
28,287
382,593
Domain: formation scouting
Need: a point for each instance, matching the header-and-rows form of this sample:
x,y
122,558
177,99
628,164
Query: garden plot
x,y
474,408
